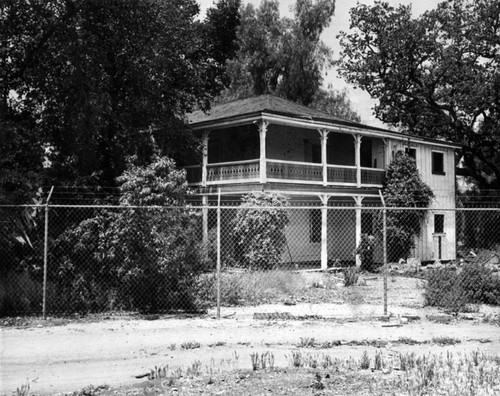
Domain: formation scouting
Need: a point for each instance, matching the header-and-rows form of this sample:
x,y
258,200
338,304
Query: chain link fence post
x,y
218,255
384,248
45,255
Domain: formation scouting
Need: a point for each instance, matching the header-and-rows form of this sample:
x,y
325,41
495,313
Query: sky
x,y
361,101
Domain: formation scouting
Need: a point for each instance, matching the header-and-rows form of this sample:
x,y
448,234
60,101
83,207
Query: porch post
x,y
358,199
204,153
324,231
357,153
324,161
262,137
387,154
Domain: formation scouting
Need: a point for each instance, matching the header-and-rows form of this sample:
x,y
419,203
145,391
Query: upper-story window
x,y
411,152
438,163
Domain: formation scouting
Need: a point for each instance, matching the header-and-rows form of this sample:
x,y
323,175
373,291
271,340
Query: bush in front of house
x,y
453,290
259,229
142,256
404,188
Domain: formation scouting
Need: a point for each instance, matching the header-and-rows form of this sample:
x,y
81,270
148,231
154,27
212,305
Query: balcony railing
x,y
372,176
287,170
283,171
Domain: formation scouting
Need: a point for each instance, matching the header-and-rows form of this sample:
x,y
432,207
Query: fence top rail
x,y
237,205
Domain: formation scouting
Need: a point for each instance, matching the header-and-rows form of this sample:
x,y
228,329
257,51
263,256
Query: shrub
x,y
404,188
365,250
259,227
142,259
453,290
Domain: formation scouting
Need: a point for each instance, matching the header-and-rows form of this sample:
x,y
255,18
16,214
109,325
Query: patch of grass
x,y
190,345
306,342
217,344
251,287
262,361
445,340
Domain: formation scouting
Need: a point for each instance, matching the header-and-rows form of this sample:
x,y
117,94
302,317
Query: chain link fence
x,y
302,259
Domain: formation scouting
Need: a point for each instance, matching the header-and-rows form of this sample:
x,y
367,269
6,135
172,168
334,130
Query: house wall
x,y
443,187
341,236
291,144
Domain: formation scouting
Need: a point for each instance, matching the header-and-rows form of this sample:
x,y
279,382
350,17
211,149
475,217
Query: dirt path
x,y
66,358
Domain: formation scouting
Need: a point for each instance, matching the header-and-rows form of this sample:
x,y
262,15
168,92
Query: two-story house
x,y
267,143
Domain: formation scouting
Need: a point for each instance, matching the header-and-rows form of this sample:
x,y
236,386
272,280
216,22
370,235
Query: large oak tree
x,y
434,75
85,83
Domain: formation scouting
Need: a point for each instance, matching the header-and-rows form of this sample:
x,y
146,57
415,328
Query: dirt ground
x,y
57,359
66,358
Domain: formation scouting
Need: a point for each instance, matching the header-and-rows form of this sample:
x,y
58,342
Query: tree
x,y
259,228
436,75
336,103
403,188
91,82
281,55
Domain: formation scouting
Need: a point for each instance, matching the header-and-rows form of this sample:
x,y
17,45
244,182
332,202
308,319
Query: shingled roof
x,y
259,104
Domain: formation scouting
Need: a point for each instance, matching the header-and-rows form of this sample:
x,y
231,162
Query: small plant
x,y
190,345
297,359
194,369
364,364
23,390
378,363
262,361
306,342
172,346
365,251
351,276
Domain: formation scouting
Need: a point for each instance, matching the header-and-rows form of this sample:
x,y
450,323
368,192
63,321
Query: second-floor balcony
x,y
279,171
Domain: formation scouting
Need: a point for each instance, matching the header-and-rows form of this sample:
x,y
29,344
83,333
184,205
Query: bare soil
x,y
58,359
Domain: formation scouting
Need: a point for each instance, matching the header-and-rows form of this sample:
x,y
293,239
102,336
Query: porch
x,y
280,171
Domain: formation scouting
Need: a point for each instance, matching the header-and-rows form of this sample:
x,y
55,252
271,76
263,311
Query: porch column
x,y
324,231
358,199
357,153
262,137
387,154
204,202
324,160
204,153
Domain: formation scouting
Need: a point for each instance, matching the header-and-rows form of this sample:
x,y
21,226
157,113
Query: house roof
x,y
258,106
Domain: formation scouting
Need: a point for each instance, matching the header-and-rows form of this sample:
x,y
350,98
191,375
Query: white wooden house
x,y
266,143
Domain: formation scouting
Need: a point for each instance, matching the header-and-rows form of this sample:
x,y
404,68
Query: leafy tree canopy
x,y
436,75
87,83
285,56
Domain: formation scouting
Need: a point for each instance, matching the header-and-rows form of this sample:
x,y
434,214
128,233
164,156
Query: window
x,y
411,152
367,223
438,223
315,225
437,163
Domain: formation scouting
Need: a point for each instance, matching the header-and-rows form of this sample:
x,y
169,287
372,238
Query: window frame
x,y
434,156
440,223
315,226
